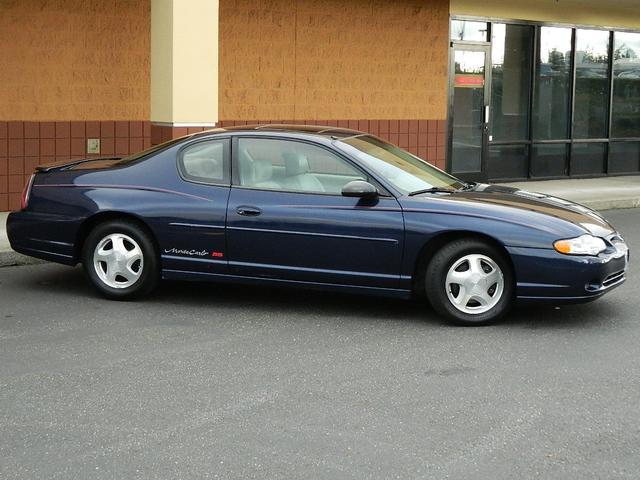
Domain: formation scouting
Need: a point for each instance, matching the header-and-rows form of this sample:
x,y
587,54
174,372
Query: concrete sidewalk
x,y
598,193
606,193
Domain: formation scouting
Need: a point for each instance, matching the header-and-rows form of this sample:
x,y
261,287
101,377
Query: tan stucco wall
x,y
579,12
321,59
74,60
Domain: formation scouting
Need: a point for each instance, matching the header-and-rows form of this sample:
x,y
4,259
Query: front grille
x,y
609,281
613,278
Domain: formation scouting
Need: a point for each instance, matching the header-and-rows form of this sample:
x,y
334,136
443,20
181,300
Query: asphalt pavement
x,y
216,381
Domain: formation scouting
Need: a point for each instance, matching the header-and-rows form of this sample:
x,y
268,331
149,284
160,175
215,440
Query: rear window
x,y
148,151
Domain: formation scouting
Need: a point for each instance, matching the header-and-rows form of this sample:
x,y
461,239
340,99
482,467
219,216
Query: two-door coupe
x,y
318,207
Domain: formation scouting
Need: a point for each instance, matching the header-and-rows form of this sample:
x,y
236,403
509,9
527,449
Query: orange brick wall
x,y
24,145
74,59
314,59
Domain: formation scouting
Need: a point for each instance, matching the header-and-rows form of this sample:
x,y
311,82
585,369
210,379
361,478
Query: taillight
x,y
26,192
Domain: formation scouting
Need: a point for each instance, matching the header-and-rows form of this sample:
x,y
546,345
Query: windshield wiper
x,y
468,186
432,190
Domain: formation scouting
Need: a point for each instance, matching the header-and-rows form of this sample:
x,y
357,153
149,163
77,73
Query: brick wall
x,y
380,66
70,70
319,59
24,145
424,138
77,69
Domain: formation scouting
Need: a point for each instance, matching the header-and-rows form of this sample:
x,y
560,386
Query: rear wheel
x,y
469,282
120,260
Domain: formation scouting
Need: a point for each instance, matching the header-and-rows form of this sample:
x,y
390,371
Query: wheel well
x,y
91,222
429,249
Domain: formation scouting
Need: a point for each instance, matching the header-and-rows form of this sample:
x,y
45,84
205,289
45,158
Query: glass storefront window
x,y
588,158
591,110
511,52
469,31
624,157
626,85
552,84
563,101
549,160
508,161
468,111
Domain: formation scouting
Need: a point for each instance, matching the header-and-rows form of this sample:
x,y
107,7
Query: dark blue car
x,y
314,207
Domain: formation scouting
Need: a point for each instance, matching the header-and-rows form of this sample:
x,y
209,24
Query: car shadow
x,y
293,300
71,283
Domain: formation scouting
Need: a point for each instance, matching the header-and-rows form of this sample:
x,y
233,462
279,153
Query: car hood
x,y
507,202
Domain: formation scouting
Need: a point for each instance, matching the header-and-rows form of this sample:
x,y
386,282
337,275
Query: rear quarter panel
x,y
181,215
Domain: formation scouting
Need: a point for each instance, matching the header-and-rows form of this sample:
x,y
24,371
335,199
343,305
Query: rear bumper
x,y
45,236
544,275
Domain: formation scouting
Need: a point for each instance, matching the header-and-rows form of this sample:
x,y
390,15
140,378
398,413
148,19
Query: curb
x,y
612,204
13,259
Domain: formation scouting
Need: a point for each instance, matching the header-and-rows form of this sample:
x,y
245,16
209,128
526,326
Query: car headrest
x,y
253,171
295,164
263,171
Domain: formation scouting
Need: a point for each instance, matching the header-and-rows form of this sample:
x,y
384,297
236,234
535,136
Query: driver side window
x,y
285,165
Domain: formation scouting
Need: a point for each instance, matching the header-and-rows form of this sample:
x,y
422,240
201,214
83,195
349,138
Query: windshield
x,y
406,172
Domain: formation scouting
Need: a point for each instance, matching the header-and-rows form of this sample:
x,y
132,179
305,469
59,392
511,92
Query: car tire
x,y
470,282
121,261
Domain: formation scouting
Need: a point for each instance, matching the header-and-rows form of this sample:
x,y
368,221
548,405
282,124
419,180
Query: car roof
x,y
323,131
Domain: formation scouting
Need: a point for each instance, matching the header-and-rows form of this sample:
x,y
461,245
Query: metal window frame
x,y
530,142
472,46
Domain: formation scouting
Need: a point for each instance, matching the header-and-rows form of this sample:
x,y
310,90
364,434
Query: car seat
x,y
255,173
297,176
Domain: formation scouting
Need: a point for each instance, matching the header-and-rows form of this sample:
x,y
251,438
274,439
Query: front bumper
x,y
548,276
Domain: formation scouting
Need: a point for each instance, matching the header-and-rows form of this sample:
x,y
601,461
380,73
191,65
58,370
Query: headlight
x,y
583,245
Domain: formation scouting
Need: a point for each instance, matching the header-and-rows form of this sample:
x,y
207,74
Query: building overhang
x,y
614,14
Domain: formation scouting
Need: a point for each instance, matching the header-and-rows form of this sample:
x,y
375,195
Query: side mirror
x,y
360,189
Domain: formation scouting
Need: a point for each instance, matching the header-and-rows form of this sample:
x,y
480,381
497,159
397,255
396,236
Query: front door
x,y
287,219
469,111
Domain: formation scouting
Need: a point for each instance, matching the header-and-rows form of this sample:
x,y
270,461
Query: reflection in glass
x,y
507,161
624,157
549,160
468,105
588,158
626,85
512,47
469,31
553,82
592,84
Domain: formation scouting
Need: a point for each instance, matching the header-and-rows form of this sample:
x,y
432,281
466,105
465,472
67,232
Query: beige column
x,y
184,65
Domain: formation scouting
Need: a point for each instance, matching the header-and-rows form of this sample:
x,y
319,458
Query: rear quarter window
x,y
206,161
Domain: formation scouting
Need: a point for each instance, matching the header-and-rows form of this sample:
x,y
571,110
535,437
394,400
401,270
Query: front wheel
x,y
120,260
469,282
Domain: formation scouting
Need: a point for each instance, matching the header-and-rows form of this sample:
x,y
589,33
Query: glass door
x,y
469,111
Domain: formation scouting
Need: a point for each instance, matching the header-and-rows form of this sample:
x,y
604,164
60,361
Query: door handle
x,y
248,211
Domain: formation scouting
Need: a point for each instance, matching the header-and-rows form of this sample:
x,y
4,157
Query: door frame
x,y
485,47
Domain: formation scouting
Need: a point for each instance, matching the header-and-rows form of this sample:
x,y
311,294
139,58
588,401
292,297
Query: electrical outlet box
x,y
93,145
